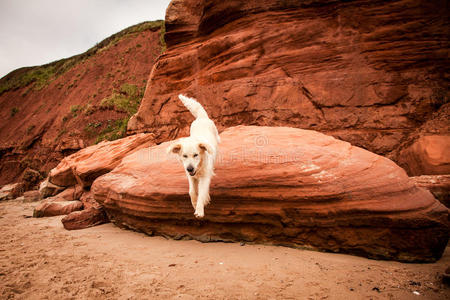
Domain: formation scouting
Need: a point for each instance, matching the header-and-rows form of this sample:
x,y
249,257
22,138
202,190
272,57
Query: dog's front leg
x,y
193,190
203,196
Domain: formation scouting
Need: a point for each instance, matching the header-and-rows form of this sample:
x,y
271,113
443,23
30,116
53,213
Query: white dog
x,y
198,153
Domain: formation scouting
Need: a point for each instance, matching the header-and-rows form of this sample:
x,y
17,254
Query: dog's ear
x,y
174,148
205,147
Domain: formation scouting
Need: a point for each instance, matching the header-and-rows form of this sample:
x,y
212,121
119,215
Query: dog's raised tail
x,y
194,107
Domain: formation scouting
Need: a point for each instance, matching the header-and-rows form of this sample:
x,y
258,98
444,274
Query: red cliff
x,y
373,73
51,111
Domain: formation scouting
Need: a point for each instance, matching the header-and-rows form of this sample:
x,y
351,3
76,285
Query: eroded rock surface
x,y
48,189
82,168
86,165
367,73
9,191
438,185
93,214
56,207
84,219
428,155
282,186
31,196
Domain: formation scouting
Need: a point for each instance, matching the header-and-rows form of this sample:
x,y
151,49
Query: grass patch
x,y
39,76
115,129
91,128
75,109
89,109
130,90
127,99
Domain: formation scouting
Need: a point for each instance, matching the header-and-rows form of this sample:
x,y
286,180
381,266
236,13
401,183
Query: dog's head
x,y
191,153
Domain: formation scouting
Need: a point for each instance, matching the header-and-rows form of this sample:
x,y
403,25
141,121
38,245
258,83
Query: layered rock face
x,y
56,208
93,214
71,180
282,186
9,191
82,168
438,185
367,72
86,165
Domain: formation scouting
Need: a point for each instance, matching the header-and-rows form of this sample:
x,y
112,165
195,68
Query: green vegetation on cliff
x,y
40,76
126,100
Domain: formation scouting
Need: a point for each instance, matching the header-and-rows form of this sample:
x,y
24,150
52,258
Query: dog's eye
x,y
185,156
195,155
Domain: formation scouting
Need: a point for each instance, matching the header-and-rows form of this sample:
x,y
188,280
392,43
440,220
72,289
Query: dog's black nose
x,y
190,169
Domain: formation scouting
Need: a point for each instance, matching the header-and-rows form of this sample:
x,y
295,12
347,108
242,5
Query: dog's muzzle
x,y
190,170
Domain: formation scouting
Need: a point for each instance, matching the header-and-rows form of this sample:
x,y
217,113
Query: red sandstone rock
x,y
29,179
89,163
9,191
69,143
369,74
61,204
438,185
88,200
55,207
31,196
428,155
69,194
92,214
48,189
84,218
282,186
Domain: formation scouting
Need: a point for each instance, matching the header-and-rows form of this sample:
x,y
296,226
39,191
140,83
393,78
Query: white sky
x,y
36,32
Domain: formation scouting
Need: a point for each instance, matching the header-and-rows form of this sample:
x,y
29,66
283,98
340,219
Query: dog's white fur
x,y
198,153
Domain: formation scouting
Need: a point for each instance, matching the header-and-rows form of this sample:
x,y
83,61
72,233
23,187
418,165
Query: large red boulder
x,y
282,186
86,165
93,214
84,219
9,191
367,73
61,204
55,207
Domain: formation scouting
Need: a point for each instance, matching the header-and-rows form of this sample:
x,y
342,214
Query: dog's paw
x,y
199,214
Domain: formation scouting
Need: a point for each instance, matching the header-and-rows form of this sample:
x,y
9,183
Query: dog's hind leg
x,y
193,190
203,196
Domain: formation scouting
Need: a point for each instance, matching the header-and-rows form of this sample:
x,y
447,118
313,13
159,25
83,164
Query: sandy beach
x,y
39,259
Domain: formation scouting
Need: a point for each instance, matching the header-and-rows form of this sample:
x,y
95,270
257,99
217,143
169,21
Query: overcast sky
x,y
35,32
